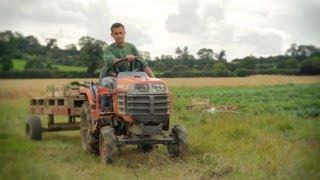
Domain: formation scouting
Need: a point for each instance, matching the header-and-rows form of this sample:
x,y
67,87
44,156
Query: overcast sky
x,y
241,27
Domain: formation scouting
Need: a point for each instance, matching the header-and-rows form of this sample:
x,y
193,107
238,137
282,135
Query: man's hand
x,y
114,61
131,57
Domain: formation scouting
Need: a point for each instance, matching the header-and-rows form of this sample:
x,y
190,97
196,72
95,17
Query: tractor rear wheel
x,y
180,147
33,128
108,146
89,142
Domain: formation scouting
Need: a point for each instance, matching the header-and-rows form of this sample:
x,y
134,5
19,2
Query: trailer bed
x,y
69,106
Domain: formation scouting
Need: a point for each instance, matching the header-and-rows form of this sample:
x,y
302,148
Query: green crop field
x,y
273,134
18,65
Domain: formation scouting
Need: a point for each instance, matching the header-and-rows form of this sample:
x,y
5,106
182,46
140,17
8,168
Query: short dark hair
x,y
116,25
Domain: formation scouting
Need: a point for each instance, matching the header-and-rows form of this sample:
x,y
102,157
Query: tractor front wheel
x,y
33,128
180,146
108,146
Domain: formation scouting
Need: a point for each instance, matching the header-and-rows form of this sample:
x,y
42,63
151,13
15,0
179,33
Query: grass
x,y
18,65
301,100
70,68
274,135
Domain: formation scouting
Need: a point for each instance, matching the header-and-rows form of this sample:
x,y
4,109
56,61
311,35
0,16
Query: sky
x,y
241,27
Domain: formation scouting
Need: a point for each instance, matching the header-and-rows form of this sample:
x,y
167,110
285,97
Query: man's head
x,y
118,33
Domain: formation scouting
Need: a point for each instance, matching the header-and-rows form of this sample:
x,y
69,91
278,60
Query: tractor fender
x,y
90,96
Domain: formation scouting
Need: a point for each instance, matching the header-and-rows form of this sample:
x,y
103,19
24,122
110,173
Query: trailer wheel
x,y
33,128
108,146
89,142
180,146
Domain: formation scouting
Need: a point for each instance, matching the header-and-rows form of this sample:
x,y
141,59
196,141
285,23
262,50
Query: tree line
x,y
298,59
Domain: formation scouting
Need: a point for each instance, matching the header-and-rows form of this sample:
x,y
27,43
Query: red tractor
x,y
137,113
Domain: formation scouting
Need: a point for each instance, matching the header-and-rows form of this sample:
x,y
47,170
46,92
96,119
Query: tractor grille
x,y
147,104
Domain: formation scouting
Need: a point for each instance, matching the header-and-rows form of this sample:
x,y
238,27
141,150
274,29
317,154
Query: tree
x,y
290,63
185,53
38,63
221,56
35,64
301,52
6,63
219,66
307,50
221,69
186,56
51,43
7,49
30,45
178,51
157,58
145,55
71,49
166,57
91,53
248,62
205,54
293,50
310,66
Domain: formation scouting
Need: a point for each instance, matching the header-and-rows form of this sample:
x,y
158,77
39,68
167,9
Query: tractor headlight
x,y
142,88
158,88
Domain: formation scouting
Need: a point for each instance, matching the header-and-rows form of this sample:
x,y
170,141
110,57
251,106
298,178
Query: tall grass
x,y
272,136
36,87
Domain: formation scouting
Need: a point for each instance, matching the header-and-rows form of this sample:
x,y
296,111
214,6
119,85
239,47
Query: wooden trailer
x,y
69,106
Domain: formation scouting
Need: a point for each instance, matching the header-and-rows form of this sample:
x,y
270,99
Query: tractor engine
x,y
144,103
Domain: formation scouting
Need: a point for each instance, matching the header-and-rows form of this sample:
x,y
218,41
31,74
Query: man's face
x,y
118,35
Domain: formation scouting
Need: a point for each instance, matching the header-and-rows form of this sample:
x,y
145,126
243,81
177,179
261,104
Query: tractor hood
x,y
139,83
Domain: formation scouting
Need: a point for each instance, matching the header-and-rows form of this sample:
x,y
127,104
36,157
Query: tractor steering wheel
x,y
116,65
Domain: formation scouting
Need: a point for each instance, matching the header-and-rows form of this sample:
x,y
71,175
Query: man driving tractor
x,y
116,52
134,108
120,50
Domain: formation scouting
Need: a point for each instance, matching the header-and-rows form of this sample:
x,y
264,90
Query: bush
x,y
5,63
288,64
242,72
222,73
310,66
277,71
171,74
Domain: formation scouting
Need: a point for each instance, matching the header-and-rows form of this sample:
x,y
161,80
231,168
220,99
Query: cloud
x,y
301,21
215,10
210,29
186,20
65,21
265,27
97,19
262,44
136,35
44,19
36,11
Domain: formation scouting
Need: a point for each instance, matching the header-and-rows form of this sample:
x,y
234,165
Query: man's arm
x,y
109,57
146,68
148,71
